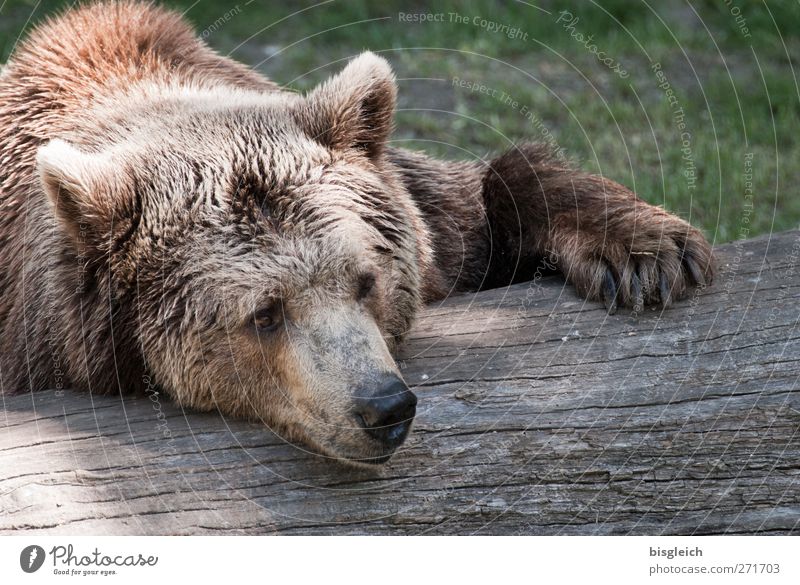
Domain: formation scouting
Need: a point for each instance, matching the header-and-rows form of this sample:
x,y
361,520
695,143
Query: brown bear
x,y
171,217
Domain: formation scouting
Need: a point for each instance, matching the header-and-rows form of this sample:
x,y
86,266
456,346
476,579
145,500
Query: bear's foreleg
x,y
606,241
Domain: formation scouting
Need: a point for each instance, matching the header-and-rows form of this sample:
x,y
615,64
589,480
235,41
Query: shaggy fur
x,y
155,196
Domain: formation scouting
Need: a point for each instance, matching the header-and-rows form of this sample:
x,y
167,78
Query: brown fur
x,y
154,196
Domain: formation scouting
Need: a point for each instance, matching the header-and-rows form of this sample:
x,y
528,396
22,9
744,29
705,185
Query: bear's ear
x,y
354,109
85,190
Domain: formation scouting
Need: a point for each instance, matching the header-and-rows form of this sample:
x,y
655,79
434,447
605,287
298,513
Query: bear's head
x,y
270,252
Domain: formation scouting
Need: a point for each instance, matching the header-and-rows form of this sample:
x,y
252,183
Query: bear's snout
x,y
387,411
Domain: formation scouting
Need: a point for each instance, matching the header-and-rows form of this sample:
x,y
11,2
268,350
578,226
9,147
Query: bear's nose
x,y
387,413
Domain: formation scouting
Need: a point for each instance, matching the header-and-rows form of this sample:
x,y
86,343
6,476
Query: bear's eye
x,y
268,317
366,284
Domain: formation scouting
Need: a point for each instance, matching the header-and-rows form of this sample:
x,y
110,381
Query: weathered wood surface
x,y
539,414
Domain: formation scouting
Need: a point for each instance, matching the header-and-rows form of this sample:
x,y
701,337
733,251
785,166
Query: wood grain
x,y
539,414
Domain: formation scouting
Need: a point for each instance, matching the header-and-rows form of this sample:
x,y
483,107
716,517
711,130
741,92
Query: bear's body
x,y
154,196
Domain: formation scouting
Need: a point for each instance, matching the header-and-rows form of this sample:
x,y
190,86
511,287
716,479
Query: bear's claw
x,y
694,270
610,291
636,291
665,290
654,270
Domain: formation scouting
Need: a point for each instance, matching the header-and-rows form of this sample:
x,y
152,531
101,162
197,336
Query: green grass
x,y
739,93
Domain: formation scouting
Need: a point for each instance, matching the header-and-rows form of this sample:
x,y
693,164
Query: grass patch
x,y
730,68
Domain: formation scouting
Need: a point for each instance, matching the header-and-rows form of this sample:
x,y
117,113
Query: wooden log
x,y
538,414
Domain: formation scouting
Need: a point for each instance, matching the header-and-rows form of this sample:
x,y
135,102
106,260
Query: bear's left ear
x,y
87,192
354,109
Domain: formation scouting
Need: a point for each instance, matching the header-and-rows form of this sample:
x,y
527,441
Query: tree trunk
x,y
538,414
